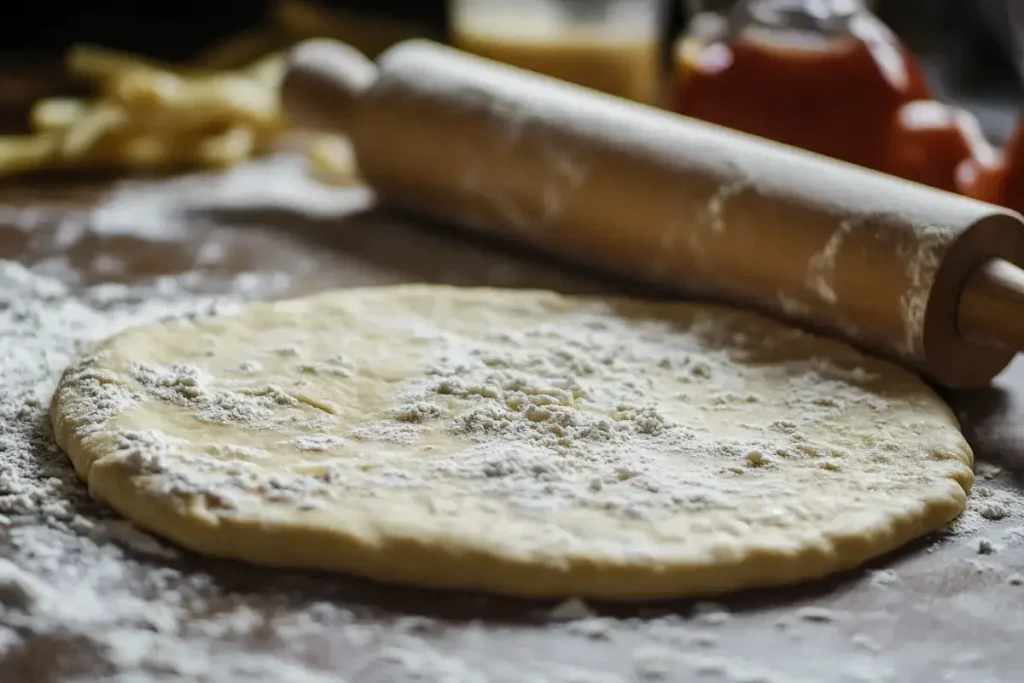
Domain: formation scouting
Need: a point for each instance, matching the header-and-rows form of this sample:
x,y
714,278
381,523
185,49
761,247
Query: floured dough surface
x,y
520,442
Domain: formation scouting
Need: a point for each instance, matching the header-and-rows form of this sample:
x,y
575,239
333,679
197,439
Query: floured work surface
x,y
514,441
87,597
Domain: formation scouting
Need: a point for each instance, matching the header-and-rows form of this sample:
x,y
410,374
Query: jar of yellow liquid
x,y
609,45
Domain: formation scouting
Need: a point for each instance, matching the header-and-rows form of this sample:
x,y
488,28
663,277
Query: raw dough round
x,y
520,442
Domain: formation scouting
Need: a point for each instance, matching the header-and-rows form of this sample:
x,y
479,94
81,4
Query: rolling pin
x,y
912,273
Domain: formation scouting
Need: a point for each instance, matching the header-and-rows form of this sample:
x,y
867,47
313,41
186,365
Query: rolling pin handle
x,y
991,307
323,83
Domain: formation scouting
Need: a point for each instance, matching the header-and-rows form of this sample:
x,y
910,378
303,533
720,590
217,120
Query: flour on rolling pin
x,y
922,261
565,171
821,268
659,197
710,217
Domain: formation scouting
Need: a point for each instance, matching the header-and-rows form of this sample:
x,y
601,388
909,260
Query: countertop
x,y
949,608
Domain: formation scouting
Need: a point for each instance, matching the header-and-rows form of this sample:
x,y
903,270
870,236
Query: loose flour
x,y
95,599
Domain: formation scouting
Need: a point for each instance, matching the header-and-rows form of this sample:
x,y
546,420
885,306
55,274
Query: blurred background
x,y
928,90
967,46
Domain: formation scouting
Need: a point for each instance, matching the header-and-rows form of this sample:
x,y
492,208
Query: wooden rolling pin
x,y
913,273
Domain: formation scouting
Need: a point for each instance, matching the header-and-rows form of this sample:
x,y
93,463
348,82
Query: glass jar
x,y
824,75
608,45
998,178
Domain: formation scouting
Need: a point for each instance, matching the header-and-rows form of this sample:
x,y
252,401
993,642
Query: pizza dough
x,y
519,442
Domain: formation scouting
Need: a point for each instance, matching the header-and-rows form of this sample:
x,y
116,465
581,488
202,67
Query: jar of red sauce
x,y
827,76
1000,178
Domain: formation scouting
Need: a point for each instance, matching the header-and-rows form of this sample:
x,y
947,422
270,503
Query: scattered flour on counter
x,y
281,181
710,614
72,577
654,664
704,641
19,590
980,567
79,580
415,624
994,510
570,610
986,471
987,547
420,662
820,615
594,628
867,643
989,523
986,504
884,578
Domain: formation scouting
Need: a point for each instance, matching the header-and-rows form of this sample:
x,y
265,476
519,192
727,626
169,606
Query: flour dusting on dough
x,y
613,431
